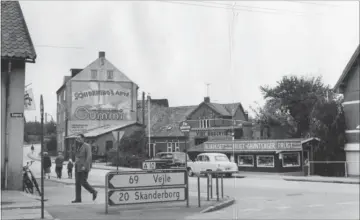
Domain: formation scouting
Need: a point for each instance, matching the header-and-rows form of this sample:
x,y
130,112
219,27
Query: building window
x,y
64,116
265,161
64,95
204,123
291,159
93,74
177,147
169,147
246,160
110,74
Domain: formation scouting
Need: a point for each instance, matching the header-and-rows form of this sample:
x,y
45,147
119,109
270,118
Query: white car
x,y
212,162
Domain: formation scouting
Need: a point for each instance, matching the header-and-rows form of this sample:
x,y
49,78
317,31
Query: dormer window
x,y
110,75
93,74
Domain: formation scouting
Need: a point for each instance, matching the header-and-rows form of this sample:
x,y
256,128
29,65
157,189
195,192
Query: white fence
x,y
349,167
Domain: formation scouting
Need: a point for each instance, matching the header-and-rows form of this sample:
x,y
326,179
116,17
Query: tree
x,y
296,97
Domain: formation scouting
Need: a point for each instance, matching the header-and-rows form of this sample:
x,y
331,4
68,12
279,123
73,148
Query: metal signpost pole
x,y
118,151
187,174
42,155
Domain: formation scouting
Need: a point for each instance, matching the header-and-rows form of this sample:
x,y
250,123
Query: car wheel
x,y
190,172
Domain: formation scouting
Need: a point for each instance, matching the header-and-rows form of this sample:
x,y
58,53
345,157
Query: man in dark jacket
x,y
47,164
59,164
83,162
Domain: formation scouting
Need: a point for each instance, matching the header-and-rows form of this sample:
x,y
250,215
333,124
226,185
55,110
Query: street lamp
x,y
149,103
42,155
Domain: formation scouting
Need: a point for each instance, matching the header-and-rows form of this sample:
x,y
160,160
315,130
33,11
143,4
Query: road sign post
x,y
139,187
185,129
42,155
117,136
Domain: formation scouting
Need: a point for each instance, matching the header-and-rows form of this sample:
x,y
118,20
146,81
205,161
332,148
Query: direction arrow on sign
x,y
118,135
146,196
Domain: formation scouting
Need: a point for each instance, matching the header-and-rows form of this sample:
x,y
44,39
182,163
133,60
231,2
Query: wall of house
x,y
15,127
351,109
161,143
3,121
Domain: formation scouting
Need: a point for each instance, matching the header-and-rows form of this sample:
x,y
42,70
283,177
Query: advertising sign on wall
x,y
95,104
270,145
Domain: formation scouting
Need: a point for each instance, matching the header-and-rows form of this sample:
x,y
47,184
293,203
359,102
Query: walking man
x,y
59,165
83,162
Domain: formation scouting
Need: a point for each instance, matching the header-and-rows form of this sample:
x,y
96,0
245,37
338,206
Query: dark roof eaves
x,y
348,67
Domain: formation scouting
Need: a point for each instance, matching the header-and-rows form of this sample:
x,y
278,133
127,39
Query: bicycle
x,y
29,182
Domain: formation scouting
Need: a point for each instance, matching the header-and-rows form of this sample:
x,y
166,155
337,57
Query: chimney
x,y
101,54
207,99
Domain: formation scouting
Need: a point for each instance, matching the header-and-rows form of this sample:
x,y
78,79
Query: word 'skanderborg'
x,y
110,92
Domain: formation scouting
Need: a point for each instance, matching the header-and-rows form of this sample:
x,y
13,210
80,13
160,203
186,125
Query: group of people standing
x,y
59,163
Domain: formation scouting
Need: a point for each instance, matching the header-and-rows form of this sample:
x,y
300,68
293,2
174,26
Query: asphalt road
x,y
264,198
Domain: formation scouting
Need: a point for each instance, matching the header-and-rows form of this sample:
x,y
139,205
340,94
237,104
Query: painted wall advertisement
x,y
96,104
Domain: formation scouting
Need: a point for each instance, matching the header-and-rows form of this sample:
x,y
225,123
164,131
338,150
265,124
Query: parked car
x,y
167,160
212,162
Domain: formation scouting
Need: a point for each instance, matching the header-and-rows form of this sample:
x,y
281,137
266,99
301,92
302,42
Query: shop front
x,y
275,156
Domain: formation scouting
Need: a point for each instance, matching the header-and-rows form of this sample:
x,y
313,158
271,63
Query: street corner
x,y
226,202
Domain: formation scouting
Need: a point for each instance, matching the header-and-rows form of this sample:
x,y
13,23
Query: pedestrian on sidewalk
x,y
32,149
59,165
82,168
70,166
47,165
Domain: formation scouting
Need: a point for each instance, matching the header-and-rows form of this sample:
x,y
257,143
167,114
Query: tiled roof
x,y
165,120
15,37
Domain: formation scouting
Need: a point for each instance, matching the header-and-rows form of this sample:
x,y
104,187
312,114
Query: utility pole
x,y
42,155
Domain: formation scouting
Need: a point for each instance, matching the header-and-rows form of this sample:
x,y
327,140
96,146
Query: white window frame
x,y
298,159
169,146
177,147
246,165
93,76
110,74
257,161
64,94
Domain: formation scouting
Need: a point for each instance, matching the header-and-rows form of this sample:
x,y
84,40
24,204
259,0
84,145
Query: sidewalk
x,y
19,205
323,179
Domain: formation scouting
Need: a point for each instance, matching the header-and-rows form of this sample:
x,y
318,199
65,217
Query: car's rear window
x,y
221,158
164,156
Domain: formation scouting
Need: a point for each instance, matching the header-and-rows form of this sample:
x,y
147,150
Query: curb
x,y
322,181
228,202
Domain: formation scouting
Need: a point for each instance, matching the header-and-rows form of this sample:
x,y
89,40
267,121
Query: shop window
x,y
246,160
265,161
291,159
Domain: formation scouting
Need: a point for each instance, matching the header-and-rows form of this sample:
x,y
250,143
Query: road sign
x,y
149,165
118,135
138,196
16,115
184,127
145,179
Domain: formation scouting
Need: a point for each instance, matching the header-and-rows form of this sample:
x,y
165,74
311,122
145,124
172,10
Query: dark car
x,y
167,160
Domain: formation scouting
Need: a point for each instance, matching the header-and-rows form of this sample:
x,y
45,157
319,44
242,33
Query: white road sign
x,y
146,196
149,165
147,179
118,135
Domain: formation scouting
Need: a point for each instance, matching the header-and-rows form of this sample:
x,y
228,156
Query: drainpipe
x,y
6,165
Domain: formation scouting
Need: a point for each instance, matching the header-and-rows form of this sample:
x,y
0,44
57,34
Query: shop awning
x,y
105,129
252,145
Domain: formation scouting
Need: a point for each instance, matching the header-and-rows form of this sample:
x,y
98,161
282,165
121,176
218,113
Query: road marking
x,y
347,203
249,210
315,205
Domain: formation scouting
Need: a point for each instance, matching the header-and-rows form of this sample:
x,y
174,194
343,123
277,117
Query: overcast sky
x,y
171,49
